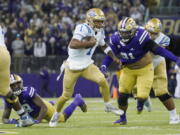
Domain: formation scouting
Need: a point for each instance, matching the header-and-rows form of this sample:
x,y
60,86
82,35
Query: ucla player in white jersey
x,y
5,90
160,85
80,63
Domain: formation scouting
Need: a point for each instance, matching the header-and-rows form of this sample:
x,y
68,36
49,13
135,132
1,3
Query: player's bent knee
x,y
164,97
11,98
123,99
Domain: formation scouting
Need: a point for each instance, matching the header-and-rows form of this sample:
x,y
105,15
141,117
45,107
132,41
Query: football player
x,y
134,45
80,63
5,91
32,103
160,85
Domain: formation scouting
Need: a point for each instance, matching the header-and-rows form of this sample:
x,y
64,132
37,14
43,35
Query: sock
x,y
140,105
21,112
123,116
172,113
69,110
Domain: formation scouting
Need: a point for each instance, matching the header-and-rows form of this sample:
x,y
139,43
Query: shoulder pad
x,y
114,38
29,91
165,40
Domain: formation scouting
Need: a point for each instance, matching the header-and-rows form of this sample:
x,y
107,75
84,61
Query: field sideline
x,y
97,122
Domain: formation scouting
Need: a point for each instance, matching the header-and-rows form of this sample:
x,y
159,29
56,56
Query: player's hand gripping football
x,y
91,41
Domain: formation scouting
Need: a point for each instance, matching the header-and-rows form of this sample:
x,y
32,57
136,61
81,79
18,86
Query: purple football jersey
x,y
131,51
26,100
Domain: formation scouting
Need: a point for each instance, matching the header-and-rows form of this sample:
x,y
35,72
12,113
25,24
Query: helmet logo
x,y
92,13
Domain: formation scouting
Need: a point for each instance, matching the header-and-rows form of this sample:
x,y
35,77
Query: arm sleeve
x,y
108,60
156,49
30,93
6,104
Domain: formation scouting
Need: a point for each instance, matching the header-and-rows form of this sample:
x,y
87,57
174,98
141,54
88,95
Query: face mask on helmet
x,y
17,88
154,27
127,35
16,84
98,24
127,29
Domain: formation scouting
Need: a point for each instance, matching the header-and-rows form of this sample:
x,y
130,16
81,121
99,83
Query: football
x,y
87,38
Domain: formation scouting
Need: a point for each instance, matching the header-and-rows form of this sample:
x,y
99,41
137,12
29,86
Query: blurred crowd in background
x,y
44,27
37,32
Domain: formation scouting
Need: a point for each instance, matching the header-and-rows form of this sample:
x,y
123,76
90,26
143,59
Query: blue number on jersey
x,y
89,52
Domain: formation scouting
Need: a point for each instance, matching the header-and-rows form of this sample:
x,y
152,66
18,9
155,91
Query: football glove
x,y
13,121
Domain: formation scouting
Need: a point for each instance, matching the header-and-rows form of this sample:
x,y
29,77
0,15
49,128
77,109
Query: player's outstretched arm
x,y
158,50
77,44
108,51
108,60
39,102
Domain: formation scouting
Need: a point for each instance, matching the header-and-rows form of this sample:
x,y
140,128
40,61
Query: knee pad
x,y
164,97
11,98
123,99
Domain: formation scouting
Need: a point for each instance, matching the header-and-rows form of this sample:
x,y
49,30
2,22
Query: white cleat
x,y
54,120
174,120
148,105
25,121
110,108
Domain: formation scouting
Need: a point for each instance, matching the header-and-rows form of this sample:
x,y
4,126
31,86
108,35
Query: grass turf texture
x,y
98,122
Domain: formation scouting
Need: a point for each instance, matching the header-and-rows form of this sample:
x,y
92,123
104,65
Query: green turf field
x,y
97,122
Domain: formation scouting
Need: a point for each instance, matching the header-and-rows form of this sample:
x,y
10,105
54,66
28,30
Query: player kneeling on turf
x,y
32,103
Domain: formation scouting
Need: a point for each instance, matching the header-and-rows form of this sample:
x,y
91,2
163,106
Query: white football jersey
x,y
81,58
163,41
2,42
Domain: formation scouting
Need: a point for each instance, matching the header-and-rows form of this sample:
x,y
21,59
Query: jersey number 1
x,y
89,51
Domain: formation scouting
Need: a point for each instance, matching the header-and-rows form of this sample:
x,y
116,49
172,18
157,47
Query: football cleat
x,y
25,121
174,120
148,105
121,121
80,102
110,108
54,120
